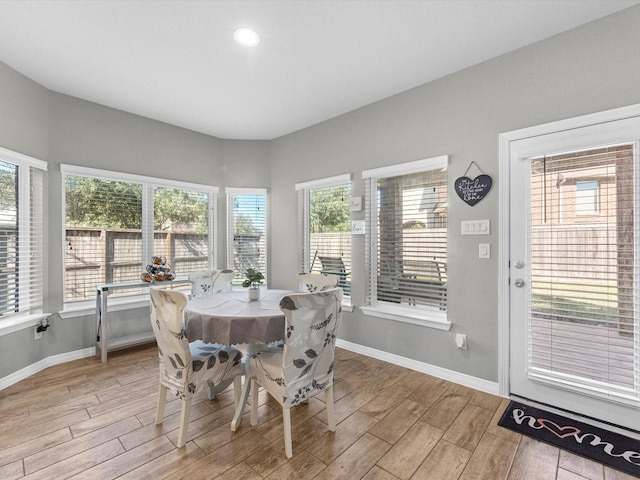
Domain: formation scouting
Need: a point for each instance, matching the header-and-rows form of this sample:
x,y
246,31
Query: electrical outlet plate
x,y
475,227
36,334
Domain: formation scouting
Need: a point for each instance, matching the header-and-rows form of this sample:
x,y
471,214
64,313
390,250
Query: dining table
x,y
231,318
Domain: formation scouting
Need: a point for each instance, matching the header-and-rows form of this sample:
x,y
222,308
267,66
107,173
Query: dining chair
x,y
223,281
206,282
313,282
187,368
303,366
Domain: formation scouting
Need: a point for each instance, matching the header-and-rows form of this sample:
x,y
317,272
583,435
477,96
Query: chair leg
x,y
237,389
286,418
162,399
254,403
184,421
331,418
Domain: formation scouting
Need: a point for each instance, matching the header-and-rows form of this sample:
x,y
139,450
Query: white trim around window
x,y
245,248
406,168
67,169
149,185
22,241
336,247
404,304
325,182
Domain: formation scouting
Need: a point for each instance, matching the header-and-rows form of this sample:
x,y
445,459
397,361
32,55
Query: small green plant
x,y
252,278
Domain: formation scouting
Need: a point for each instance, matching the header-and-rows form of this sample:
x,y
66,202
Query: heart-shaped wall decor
x,y
472,191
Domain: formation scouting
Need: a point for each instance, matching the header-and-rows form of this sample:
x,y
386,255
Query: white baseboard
x,y
26,372
445,374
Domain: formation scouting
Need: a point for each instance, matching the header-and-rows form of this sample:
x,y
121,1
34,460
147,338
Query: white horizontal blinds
x,y
103,234
412,239
32,277
330,232
181,228
304,258
371,240
583,221
247,232
21,237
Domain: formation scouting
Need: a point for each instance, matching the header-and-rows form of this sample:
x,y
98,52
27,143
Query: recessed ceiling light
x,y
246,37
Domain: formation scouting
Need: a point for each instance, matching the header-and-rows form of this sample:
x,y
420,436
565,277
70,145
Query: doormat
x,y
597,444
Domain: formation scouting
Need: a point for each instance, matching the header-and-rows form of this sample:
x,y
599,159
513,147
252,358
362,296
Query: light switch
x,y
484,250
475,227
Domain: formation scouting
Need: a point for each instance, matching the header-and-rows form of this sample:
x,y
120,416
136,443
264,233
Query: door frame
x,y
504,212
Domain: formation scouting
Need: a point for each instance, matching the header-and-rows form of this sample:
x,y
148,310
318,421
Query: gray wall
x,y
592,68
24,119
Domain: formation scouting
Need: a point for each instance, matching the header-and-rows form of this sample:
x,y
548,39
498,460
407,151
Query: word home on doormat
x,y
610,448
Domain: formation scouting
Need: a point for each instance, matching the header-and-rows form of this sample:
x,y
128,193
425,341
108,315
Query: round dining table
x,y
230,318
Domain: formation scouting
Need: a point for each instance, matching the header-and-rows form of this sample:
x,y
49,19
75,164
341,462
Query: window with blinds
x,y
115,223
247,231
181,228
21,234
582,309
407,238
325,223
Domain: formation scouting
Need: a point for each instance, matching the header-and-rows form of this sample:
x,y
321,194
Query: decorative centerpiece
x,y
157,271
253,280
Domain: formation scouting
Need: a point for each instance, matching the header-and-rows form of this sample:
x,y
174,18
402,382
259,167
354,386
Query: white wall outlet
x,y
461,341
36,334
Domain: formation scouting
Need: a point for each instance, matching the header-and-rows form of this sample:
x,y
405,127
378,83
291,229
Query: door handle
x,y
519,283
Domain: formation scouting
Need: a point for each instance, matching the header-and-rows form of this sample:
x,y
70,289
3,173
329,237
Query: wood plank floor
x,y
84,419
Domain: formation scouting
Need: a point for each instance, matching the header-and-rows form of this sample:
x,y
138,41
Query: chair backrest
x,y
315,282
312,322
206,282
223,281
201,282
168,328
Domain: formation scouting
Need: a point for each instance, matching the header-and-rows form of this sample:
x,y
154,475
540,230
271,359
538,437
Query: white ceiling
x,y
176,61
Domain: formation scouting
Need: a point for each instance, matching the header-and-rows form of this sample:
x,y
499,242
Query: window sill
x,y
412,315
18,322
81,309
346,304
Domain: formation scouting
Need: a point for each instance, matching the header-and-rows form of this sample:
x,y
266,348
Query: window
x,y
582,277
586,197
247,231
325,233
21,235
407,242
115,223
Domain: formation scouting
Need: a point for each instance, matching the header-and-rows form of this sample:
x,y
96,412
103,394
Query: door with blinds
x,y
574,271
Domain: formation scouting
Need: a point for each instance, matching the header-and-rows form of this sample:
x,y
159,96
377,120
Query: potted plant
x,y
253,280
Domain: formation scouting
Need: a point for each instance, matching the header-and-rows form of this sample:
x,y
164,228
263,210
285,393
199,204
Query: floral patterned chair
x,y
187,368
303,366
315,282
206,282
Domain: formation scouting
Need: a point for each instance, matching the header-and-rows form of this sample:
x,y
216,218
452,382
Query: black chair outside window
x,y
335,266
